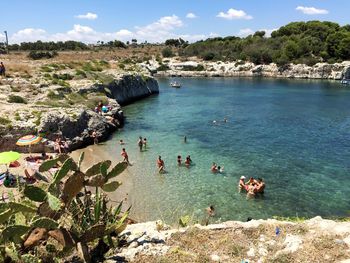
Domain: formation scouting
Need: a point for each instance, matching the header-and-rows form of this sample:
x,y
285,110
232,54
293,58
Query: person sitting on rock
x,y
94,137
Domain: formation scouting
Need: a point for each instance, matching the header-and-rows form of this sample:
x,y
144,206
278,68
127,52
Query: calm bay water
x,y
294,134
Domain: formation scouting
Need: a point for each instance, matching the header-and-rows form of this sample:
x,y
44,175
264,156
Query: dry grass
x,y
232,245
21,68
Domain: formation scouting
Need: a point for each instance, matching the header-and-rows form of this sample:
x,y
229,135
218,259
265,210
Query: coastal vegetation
x,y
61,218
298,42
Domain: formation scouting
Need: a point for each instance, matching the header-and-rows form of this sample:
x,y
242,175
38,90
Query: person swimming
x,y
121,142
210,210
251,190
214,168
260,186
220,169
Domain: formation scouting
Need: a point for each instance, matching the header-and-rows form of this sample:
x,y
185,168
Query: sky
x,y
154,21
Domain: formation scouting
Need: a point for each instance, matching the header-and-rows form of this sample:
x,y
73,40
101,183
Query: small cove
x,y
293,133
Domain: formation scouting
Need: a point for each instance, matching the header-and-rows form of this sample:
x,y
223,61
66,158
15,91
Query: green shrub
x,y
80,73
42,54
4,121
16,99
64,76
209,56
54,96
167,52
162,67
199,67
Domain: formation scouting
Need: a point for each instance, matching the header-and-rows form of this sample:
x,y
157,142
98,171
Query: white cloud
x,y
312,10
232,14
29,34
245,32
268,31
88,15
191,15
158,31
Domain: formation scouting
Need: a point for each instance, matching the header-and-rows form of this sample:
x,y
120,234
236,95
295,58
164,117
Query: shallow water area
x,y
293,133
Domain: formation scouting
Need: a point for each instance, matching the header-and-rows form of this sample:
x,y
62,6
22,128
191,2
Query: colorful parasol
x,y
28,140
9,157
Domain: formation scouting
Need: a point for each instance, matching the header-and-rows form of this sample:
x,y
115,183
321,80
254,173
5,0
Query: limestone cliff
x,y
198,68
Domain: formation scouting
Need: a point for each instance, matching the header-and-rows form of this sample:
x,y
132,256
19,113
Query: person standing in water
x,y
144,143
188,161
160,164
185,139
140,143
125,156
179,160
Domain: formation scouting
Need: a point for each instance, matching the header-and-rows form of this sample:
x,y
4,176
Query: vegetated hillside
x,y
298,42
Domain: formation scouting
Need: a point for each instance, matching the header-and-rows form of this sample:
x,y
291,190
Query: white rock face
x,y
292,243
144,238
247,69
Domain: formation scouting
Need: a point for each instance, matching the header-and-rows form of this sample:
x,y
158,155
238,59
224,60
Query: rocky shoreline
x,y
75,124
313,240
198,68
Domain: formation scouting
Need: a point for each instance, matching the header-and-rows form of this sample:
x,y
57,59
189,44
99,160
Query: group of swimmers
x,y
216,168
252,186
188,161
142,143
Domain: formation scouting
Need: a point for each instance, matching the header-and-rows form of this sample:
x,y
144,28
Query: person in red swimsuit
x,y
160,164
125,156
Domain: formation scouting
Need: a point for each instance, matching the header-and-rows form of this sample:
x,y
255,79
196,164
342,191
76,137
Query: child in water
x,y
179,160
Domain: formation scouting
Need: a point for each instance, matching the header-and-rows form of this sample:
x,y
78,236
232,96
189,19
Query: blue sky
x,y
157,20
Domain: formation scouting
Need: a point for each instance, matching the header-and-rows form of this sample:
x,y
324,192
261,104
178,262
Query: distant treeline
x,y
60,46
298,42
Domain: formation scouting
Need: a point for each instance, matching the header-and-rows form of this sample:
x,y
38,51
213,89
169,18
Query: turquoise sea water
x,y
293,133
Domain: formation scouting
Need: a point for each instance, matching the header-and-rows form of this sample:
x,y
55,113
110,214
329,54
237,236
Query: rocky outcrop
x,y
197,68
126,89
77,131
314,240
76,124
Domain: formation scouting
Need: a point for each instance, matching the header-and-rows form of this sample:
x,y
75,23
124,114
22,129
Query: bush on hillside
x,y
16,99
167,52
42,54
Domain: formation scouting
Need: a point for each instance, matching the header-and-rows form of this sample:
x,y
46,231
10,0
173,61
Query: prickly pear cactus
x,y
63,210
34,193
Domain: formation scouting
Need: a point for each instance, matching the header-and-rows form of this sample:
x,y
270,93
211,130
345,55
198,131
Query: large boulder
x,y
77,130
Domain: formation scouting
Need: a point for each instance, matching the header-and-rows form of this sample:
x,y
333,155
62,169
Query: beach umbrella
x,y
9,157
28,140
